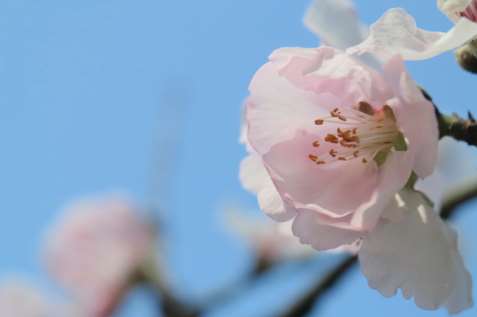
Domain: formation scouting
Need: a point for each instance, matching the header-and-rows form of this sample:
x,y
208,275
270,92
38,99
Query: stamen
x,y
361,133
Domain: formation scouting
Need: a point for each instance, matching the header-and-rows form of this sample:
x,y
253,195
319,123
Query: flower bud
x,y
467,56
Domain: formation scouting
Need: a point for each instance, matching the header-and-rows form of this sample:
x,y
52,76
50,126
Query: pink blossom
x,y
95,248
316,114
297,102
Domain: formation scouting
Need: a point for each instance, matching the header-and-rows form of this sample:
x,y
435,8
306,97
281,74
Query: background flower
x,y
96,248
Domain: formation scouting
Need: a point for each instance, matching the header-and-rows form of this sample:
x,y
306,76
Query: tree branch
x,y
305,304
454,126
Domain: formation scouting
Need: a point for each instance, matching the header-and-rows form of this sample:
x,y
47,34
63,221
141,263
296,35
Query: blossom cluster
x,y
337,137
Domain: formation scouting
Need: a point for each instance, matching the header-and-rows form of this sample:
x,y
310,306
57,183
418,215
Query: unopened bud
x,y
467,56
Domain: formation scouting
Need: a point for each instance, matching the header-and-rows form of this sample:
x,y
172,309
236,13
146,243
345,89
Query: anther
x,y
319,121
316,143
366,108
312,157
331,138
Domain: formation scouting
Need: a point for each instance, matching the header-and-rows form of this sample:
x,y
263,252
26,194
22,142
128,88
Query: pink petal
x,y
319,187
410,107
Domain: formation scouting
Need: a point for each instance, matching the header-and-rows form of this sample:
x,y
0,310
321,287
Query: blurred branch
x,y
455,199
305,304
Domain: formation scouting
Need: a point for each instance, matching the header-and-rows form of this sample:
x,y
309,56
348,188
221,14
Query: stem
x,y
454,126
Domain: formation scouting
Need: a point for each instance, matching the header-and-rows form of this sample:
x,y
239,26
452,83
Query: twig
x,y
454,126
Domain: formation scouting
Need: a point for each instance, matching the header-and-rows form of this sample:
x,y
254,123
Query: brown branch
x,y
454,126
457,197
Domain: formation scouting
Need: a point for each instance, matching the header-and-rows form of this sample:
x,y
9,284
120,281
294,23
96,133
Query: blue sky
x,y
144,96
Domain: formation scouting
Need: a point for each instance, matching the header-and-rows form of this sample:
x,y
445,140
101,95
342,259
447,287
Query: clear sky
x,y
145,96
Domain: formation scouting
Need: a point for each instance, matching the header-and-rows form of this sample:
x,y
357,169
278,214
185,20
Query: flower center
x,y
470,12
361,133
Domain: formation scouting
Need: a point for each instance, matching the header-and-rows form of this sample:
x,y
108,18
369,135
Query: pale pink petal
x,y
335,22
298,85
255,178
319,187
308,228
396,33
327,70
410,106
274,117
418,255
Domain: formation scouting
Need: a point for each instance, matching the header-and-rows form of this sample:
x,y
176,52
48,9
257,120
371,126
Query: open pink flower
x,y
307,110
95,248
337,138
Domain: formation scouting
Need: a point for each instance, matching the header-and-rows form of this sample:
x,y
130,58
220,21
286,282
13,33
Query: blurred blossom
x,y
96,248
321,19
19,299
457,164
270,241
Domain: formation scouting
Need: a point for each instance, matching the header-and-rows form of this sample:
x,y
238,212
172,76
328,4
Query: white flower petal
x,y
335,22
396,33
419,255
